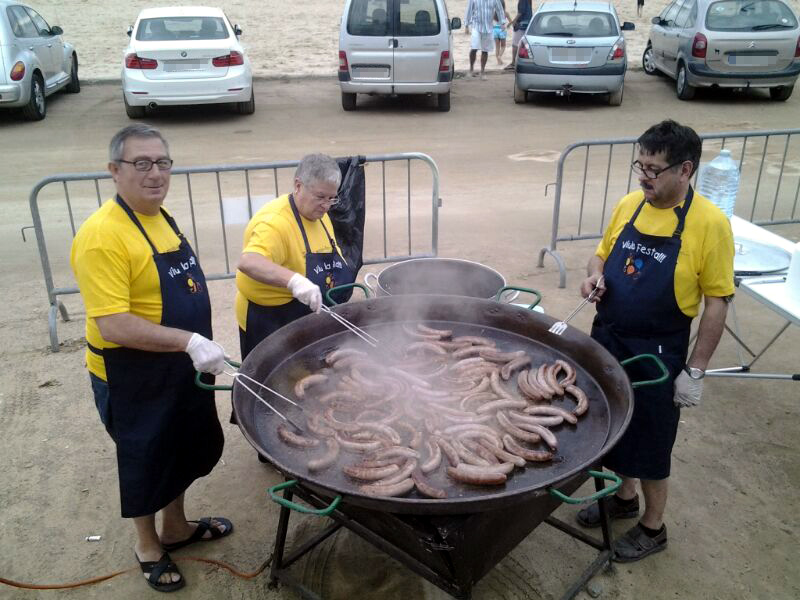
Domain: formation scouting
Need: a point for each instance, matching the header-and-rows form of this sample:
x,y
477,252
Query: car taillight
x,y
343,61
617,50
17,71
132,61
234,59
699,46
524,50
797,49
444,61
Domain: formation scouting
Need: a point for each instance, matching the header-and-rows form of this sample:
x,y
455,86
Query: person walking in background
x,y
639,7
479,20
499,34
519,25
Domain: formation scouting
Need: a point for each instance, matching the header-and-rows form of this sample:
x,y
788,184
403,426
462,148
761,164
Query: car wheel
x,y
520,95
348,101
443,102
133,112
781,93
74,85
615,98
249,107
36,108
682,87
649,61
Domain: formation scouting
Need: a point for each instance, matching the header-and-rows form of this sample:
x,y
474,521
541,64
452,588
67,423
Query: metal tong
x,y
560,327
238,376
352,327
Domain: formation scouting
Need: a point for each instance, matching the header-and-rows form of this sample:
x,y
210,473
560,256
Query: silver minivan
x,y
393,47
726,43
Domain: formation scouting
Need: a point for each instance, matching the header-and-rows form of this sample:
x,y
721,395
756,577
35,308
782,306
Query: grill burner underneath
x,y
451,551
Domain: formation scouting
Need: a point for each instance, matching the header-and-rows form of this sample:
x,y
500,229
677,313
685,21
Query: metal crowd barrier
x,y
769,165
207,209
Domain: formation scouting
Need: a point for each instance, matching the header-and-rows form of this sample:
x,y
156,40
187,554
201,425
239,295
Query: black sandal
x,y
155,569
203,525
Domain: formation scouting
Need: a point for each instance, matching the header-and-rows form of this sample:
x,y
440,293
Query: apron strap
x,y
681,213
300,223
170,221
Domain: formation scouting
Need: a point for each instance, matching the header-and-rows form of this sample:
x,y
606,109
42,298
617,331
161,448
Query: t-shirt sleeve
x,y
104,279
607,242
267,239
716,275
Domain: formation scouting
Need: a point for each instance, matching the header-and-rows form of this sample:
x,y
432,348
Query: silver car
x,y
34,61
726,43
573,47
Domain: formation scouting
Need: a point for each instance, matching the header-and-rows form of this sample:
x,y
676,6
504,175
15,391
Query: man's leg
x,y
484,58
655,500
148,546
627,491
472,55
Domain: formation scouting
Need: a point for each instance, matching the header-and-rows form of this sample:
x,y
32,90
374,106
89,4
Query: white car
x,y
34,61
185,55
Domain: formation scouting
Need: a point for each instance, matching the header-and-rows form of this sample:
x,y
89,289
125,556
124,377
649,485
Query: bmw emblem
x,y
183,54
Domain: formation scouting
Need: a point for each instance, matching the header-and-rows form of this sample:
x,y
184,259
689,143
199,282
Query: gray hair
x,y
318,167
138,130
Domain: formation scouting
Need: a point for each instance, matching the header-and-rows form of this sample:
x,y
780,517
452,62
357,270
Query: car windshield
x,y
574,24
369,17
749,15
165,29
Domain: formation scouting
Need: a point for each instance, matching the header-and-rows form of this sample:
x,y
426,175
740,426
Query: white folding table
x,y
769,290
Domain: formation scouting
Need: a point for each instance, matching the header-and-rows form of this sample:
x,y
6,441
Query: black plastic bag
x,y
348,216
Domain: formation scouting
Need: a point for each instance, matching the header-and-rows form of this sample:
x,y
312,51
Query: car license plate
x,y
750,60
370,72
570,54
185,65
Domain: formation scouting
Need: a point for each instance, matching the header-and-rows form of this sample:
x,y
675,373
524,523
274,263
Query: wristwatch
x,y
695,373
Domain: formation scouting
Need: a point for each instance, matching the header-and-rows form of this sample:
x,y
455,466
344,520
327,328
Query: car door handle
x,y
49,45
30,47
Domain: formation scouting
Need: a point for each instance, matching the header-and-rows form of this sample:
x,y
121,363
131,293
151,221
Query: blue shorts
x,y
499,32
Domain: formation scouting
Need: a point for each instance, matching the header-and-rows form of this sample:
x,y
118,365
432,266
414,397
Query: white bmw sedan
x,y
185,55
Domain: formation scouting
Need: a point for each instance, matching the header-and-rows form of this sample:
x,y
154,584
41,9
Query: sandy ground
x,y
733,505
307,44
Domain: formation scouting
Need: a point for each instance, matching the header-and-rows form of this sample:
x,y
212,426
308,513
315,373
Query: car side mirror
x,y
130,30
455,23
56,30
237,30
656,21
628,26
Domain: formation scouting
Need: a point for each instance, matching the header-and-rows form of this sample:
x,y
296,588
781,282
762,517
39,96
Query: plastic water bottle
x,y
719,182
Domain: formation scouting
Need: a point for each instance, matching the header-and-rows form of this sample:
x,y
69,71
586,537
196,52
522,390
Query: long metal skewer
x,y
239,376
352,327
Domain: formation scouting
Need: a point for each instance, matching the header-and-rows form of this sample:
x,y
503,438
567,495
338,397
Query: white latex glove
x,y
687,391
207,356
307,292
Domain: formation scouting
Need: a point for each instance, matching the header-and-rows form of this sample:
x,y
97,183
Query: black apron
x,y
639,314
166,428
326,269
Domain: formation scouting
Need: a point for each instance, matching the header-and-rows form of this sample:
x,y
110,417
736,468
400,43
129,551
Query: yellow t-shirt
x,y
705,261
273,233
114,267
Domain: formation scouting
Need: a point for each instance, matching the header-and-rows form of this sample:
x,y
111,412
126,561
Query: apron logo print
x,y
184,266
642,249
194,285
633,267
329,281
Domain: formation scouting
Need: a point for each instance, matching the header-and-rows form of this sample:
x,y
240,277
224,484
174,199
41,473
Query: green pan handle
x,y
519,289
345,286
322,512
597,495
205,386
662,367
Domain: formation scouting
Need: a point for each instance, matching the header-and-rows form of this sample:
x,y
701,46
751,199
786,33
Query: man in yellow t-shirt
x,y
148,328
665,249
290,256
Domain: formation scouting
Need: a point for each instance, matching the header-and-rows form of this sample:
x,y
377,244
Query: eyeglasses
x,y
329,200
145,164
639,168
